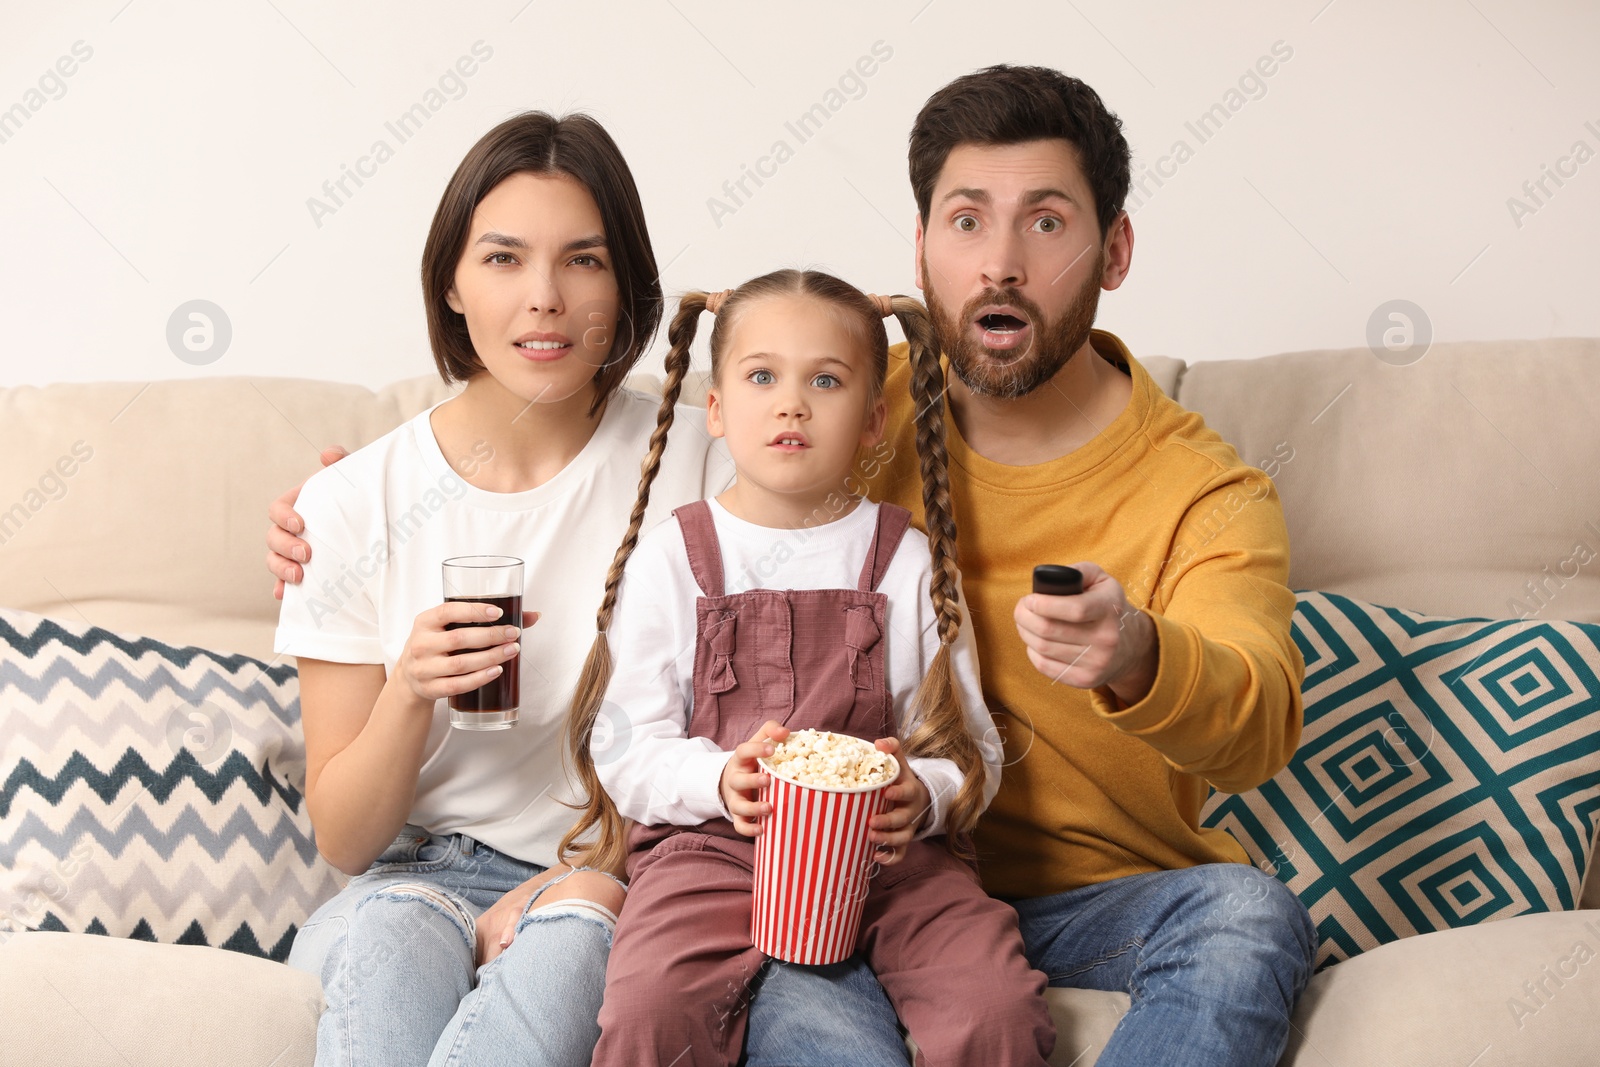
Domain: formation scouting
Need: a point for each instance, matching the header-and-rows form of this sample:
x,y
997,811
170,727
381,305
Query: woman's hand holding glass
x,y
430,668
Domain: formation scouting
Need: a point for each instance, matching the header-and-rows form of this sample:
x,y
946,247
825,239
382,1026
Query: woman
x,y
541,293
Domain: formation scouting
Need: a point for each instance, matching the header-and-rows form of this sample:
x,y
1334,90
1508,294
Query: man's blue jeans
x,y
1213,958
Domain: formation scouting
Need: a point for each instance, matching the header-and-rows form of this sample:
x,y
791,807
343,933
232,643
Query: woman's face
x,y
537,287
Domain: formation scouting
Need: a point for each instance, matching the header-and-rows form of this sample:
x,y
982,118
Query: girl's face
x,y
794,398
536,285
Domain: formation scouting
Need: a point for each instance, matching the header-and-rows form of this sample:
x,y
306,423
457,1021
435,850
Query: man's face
x,y
1011,263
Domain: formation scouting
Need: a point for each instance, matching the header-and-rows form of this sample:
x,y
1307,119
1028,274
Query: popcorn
x,y
825,760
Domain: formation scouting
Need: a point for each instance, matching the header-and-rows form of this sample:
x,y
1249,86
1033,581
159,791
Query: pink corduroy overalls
x,y
682,966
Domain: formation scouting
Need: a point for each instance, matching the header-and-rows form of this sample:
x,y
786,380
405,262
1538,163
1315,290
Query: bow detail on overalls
x,y
723,630
861,633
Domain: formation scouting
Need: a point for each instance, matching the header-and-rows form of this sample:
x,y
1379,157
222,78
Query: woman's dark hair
x,y
537,143
1004,105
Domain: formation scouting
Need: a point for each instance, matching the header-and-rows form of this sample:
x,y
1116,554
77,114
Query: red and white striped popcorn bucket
x,y
812,863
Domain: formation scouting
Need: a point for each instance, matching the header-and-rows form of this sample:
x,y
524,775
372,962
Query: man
x,y
1175,667
1174,670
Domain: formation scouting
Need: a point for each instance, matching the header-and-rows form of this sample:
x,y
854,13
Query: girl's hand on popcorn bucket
x,y
910,803
742,779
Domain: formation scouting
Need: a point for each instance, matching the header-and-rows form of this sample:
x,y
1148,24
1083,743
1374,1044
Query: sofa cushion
x,y
1448,773
194,1007
1461,485
1517,992
151,792
145,503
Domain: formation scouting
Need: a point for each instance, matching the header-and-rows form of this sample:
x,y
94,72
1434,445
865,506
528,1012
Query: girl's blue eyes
x,y
766,377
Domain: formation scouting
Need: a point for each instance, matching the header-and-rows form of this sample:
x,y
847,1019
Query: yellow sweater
x,y
1091,790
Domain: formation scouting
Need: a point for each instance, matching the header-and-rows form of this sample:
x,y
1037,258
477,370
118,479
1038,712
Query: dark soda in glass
x,y
499,694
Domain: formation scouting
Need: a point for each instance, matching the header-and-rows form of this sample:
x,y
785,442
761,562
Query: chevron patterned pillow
x,y
1448,773
151,792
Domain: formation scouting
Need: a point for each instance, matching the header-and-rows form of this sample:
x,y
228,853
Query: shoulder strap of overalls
x,y
892,523
700,540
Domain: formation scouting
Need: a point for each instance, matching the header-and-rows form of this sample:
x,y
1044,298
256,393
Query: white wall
x,y
177,161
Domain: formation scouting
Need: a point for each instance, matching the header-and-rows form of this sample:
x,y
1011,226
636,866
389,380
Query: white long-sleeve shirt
x,y
657,774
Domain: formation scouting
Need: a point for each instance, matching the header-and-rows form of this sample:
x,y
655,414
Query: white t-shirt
x,y
657,774
380,523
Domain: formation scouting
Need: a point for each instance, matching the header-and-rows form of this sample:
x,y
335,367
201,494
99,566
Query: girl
x,y
788,602
540,289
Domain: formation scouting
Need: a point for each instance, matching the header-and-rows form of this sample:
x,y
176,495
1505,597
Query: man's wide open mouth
x,y
1000,322
1002,331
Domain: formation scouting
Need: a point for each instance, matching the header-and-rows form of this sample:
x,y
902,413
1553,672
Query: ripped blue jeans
x,y
395,952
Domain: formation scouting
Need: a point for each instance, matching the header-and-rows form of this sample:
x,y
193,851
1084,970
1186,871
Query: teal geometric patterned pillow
x,y
1448,773
151,792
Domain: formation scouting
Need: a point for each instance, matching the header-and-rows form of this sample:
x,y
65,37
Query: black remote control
x,y
1056,580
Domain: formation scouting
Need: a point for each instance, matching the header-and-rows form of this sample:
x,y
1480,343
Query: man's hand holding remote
x,y
1089,640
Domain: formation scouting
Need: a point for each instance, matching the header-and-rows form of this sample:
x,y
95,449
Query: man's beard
x,y
1009,373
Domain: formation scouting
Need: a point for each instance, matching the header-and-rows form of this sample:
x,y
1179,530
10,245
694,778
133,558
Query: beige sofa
x,y
1442,487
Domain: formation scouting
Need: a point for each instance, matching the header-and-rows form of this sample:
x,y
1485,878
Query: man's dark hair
x,y
1004,105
